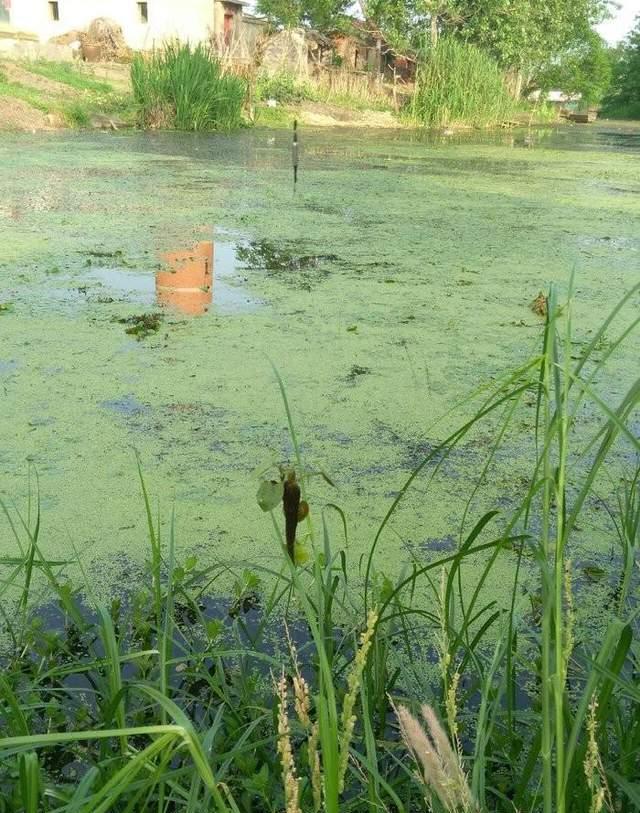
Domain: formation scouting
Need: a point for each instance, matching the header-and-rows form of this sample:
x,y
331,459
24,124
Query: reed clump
x,y
458,84
184,87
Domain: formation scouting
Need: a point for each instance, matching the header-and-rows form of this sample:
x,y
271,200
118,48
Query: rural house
x,y
143,23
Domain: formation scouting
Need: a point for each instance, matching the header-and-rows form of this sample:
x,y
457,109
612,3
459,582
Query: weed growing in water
x,y
143,325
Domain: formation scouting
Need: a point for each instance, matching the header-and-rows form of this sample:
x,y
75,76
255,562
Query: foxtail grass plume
x,y
314,766
441,769
290,781
593,767
354,682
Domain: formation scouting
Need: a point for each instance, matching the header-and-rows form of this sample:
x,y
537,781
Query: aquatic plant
x,y
459,84
165,700
143,325
185,88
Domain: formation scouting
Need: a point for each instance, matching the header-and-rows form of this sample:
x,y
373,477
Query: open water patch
x,y
8,366
127,406
193,281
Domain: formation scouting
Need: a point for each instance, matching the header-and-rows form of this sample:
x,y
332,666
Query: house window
x,y
54,12
143,12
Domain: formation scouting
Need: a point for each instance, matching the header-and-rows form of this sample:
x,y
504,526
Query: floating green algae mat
x,y
397,279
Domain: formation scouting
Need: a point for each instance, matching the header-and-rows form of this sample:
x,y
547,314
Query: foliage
x,y
518,34
458,83
623,99
527,32
77,114
322,15
334,86
584,69
185,88
284,88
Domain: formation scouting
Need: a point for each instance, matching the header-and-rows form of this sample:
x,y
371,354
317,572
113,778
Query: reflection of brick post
x,y
206,249
186,283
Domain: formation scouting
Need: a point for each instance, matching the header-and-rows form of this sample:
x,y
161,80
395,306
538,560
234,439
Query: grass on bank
x,y
167,702
186,88
459,84
67,73
85,98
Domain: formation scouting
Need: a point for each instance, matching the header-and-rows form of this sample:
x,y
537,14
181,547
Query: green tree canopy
x,y
584,68
522,33
322,15
624,98
518,33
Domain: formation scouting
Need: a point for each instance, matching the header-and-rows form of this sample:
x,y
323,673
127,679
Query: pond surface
x,y
396,279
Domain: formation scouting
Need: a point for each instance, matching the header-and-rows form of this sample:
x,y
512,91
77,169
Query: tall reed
x,y
459,84
185,88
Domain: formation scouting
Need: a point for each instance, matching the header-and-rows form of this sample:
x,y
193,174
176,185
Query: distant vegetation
x,y
584,69
185,88
537,46
623,99
340,87
458,83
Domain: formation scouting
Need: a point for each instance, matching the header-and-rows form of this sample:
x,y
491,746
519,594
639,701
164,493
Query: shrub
x,y
458,83
284,88
185,88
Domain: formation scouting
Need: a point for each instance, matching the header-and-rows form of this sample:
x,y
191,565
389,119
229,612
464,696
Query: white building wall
x,y
191,20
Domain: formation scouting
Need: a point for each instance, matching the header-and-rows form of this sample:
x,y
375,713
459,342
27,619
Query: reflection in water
x,y
186,281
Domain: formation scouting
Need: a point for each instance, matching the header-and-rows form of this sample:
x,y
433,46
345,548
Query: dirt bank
x,y
18,115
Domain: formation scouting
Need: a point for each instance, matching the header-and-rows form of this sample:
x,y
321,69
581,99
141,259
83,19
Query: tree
x,y
623,99
322,15
520,34
584,69
525,33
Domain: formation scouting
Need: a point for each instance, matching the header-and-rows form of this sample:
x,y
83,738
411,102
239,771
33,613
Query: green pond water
x,y
397,279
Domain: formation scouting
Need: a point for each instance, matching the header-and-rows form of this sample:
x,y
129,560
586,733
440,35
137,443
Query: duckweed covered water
x,y
397,279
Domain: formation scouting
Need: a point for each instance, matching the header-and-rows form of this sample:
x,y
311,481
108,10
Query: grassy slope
x,y
81,96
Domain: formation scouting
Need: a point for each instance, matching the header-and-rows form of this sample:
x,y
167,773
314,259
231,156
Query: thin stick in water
x,y
294,154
